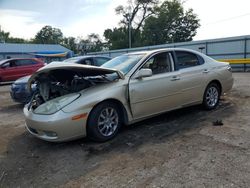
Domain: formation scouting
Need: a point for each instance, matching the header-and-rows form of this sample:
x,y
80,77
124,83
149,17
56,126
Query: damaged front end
x,y
59,84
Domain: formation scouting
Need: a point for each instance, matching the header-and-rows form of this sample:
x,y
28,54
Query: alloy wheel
x,y
108,121
212,96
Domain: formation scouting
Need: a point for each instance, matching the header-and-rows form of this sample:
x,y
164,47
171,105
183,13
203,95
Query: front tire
x,y
211,96
104,122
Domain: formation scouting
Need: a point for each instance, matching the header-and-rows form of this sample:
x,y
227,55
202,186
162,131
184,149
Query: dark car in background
x,y
12,69
19,92
89,60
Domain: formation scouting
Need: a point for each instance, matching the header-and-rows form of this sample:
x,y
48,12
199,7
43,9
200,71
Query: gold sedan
x,y
74,100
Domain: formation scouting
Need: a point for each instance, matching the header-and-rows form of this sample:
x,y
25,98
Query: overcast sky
x,y
24,18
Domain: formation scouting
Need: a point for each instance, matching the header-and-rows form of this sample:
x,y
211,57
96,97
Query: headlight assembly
x,y
54,105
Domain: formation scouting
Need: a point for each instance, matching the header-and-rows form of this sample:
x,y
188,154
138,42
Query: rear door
x,y
25,67
193,76
158,93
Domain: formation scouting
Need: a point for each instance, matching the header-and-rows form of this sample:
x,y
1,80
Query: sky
x,y
78,18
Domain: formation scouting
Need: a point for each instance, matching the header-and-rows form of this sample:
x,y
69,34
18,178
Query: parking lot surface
x,y
182,148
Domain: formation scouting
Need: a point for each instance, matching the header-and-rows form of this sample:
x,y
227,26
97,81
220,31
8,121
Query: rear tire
x,y
104,122
211,96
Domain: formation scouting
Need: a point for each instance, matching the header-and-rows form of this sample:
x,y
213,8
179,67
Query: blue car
x,y
19,92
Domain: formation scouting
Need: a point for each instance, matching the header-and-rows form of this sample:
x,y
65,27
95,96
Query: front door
x,y
9,71
157,93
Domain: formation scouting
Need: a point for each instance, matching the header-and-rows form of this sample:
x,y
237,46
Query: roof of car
x,y
164,49
85,57
90,56
5,60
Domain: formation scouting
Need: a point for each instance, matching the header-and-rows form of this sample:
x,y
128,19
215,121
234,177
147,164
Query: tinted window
x,y
85,62
159,63
11,63
23,62
186,59
100,61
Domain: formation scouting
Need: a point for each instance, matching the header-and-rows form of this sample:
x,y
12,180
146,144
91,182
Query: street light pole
x,y
129,33
129,26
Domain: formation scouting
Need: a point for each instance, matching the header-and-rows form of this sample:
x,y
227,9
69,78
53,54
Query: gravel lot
x,y
176,149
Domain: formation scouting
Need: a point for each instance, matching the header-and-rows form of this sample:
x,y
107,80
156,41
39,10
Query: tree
x,y
170,24
153,23
4,36
133,17
70,43
95,43
16,40
49,35
116,38
136,12
92,43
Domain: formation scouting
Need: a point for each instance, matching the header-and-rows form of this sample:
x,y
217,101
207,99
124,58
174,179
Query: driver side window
x,y
159,63
9,64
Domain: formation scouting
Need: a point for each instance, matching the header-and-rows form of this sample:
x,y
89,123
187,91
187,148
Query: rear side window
x,y
187,59
100,61
86,62
24,62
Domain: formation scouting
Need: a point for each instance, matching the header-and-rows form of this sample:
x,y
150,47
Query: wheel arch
x,y
217,82
123,111
205,102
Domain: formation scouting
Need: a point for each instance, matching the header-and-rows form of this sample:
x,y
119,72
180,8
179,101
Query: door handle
x,y
205,71
174,78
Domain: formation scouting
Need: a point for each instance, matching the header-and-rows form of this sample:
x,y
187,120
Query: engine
x,y
50,86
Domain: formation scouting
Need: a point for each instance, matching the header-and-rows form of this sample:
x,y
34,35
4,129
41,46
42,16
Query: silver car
x,y
75,100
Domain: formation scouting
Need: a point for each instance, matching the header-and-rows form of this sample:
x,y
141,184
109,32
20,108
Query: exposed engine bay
x,y
59,82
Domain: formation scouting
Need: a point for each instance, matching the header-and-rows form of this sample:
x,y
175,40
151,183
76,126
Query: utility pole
x,y
129,33
129,27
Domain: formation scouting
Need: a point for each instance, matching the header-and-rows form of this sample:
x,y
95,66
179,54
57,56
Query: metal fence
x,y
233,49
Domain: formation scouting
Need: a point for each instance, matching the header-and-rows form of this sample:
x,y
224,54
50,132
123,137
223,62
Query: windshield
x,y
124,63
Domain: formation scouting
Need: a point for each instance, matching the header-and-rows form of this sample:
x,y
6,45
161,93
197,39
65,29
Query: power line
x,y
228,19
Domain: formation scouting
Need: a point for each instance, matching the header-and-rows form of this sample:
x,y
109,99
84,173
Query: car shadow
x,y
154,130
39,158
6,83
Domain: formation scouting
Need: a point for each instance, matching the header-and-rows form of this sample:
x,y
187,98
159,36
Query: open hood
x,y
61,68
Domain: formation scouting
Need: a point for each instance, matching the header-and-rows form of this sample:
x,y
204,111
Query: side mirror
x,y
143,73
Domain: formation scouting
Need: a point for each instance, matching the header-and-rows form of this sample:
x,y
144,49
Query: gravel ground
x,y
177,149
